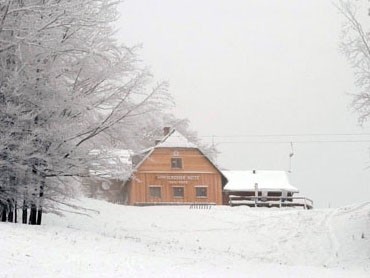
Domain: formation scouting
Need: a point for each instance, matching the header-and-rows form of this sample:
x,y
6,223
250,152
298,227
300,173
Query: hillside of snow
x,y
110,240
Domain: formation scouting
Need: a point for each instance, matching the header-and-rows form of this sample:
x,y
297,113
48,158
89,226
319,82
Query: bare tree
x,y
355,45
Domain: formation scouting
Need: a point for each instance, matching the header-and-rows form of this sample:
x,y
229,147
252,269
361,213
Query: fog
x,y
261,80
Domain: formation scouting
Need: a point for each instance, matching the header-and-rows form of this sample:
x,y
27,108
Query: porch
x,y
271,201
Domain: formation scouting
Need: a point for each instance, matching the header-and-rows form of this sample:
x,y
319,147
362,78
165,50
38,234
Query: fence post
x,y
255,194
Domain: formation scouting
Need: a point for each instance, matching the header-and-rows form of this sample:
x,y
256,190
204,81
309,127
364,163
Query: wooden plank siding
x,y
193,160
156,171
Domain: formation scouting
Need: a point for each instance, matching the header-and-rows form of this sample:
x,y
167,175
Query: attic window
x,y
176,163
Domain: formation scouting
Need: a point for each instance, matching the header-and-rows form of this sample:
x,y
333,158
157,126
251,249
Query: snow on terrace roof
x,y
266,179
175,140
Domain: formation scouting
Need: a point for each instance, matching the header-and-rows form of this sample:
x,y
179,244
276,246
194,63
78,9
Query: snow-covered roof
x,y
175,140
267,180
112,163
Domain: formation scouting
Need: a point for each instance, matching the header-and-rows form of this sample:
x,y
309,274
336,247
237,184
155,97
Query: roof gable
x,y
175,140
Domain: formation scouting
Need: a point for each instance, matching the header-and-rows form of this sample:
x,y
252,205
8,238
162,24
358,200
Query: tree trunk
x,y
24,212
10,216
10,212
33,214
41,195
39,216
3,213
15,212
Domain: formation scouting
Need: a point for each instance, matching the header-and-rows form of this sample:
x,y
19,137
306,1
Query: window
x,y
178,192
176,163
201,192
275,194
155,192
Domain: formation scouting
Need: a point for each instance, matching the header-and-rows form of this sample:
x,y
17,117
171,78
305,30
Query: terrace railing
x,y
271,201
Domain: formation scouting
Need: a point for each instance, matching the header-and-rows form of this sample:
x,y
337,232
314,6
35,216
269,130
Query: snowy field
x,y
121,241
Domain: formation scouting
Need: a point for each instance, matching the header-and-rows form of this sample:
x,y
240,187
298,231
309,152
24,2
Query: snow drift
x,y
110,240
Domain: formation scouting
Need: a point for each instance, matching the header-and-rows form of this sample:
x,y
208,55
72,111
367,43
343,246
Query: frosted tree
x,y
64,82
356,47
142,131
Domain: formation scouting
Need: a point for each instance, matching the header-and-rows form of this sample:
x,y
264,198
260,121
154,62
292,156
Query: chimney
x,y
254,171
166,130
157,141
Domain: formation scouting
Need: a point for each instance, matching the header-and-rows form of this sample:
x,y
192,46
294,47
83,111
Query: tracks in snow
x,y
328,222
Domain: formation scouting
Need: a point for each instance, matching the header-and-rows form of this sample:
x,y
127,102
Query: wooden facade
x,y
175,175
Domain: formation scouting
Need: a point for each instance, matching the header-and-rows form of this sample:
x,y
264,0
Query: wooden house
x,y
262,188
174,171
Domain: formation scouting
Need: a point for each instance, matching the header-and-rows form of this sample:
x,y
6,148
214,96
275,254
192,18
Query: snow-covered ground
x,y
122,241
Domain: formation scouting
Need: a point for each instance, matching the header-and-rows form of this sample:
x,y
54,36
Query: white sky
x,y
251,67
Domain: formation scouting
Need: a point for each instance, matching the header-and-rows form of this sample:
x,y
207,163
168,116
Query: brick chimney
x,y
166,130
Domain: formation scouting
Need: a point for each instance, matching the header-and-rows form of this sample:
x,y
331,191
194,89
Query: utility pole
x,y
290,156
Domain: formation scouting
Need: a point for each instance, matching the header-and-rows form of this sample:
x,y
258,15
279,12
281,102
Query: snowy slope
x,y
121,241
